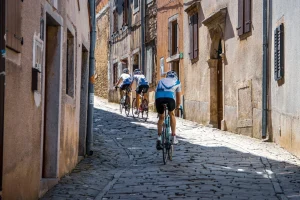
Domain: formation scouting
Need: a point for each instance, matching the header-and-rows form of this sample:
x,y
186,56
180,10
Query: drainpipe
x,y
265,71
89,136
143,35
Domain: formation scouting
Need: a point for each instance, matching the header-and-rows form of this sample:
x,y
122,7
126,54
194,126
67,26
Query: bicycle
x,y
144,109
125,101
167,146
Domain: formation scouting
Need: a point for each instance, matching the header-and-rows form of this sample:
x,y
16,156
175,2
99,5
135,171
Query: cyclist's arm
x,y
120,79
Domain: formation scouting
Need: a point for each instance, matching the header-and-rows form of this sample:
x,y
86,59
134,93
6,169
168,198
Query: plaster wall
x,y
24,113
284,107
165,10
242,65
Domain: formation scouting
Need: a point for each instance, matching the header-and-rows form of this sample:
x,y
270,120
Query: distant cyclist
x,y
125,79
168,90
141,84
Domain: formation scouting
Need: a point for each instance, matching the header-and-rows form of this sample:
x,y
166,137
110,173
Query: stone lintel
x,y
217,17
193,8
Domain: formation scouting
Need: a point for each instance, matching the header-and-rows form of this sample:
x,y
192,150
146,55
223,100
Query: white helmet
x,y
172,74
126,70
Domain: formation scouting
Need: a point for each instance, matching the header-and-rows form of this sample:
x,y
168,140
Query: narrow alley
x,y
207,164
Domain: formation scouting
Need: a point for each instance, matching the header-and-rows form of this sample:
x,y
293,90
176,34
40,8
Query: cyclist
x,y
168,90
141,84
125,78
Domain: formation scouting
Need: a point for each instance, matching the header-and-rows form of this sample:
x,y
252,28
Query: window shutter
x,y
240,27
191,24
14,39
247,16
279,52
195,24
170,38
125,12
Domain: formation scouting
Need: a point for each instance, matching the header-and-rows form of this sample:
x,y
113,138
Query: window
x,y
162,66
115,13
149,1
14,40
115,73
279,52
149,64
125,13
136,6
70,73
244,17
194,36
173,38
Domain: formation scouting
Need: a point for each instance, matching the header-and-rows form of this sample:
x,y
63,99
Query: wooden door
x,y
2,81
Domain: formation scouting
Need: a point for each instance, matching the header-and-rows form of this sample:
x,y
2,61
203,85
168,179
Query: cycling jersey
x,y
140,80
126,78
167,87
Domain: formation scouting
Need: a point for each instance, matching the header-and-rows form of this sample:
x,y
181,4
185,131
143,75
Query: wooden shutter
x,y
191,24
195,32
240,27
14,39
279,52
247,16
125,12
170,38
115,21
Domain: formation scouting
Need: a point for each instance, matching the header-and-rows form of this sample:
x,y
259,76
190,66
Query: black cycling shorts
x,y
159,104
124,87
143,88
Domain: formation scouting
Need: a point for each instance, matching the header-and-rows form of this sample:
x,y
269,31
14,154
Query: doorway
x,y
175,67
52,102
2,82
220,87
83,102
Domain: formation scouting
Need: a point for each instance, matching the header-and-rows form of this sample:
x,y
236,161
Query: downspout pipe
x,y
143,68
89,136
265,71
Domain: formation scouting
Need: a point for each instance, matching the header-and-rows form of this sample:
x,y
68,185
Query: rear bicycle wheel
x,y
127,106
135,110
170,152
164,145
121,106
145,109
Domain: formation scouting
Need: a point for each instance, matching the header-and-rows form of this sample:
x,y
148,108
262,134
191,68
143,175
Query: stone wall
x,y
102,54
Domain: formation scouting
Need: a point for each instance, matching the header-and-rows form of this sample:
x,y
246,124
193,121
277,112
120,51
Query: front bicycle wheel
x,y
145,109
135,110
164,145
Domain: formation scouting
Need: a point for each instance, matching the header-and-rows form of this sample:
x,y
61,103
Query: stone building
x,y
44,66
128,19
223,64
102,48
170,39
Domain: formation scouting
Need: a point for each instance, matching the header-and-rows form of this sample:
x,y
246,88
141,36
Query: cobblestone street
x,y
207,164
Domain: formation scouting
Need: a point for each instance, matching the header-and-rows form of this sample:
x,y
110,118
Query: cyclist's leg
x,y
171,107
138,92
160,110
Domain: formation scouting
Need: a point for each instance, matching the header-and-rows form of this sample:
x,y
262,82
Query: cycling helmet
x,y
172,74
137,71
126,71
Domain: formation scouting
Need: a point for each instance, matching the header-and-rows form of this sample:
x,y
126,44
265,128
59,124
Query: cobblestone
x,y
207,164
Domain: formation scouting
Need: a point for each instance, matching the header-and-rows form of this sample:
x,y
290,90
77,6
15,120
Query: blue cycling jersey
x,y
167,88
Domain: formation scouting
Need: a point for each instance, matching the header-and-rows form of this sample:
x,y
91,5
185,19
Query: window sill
x,y
245,35
173,58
